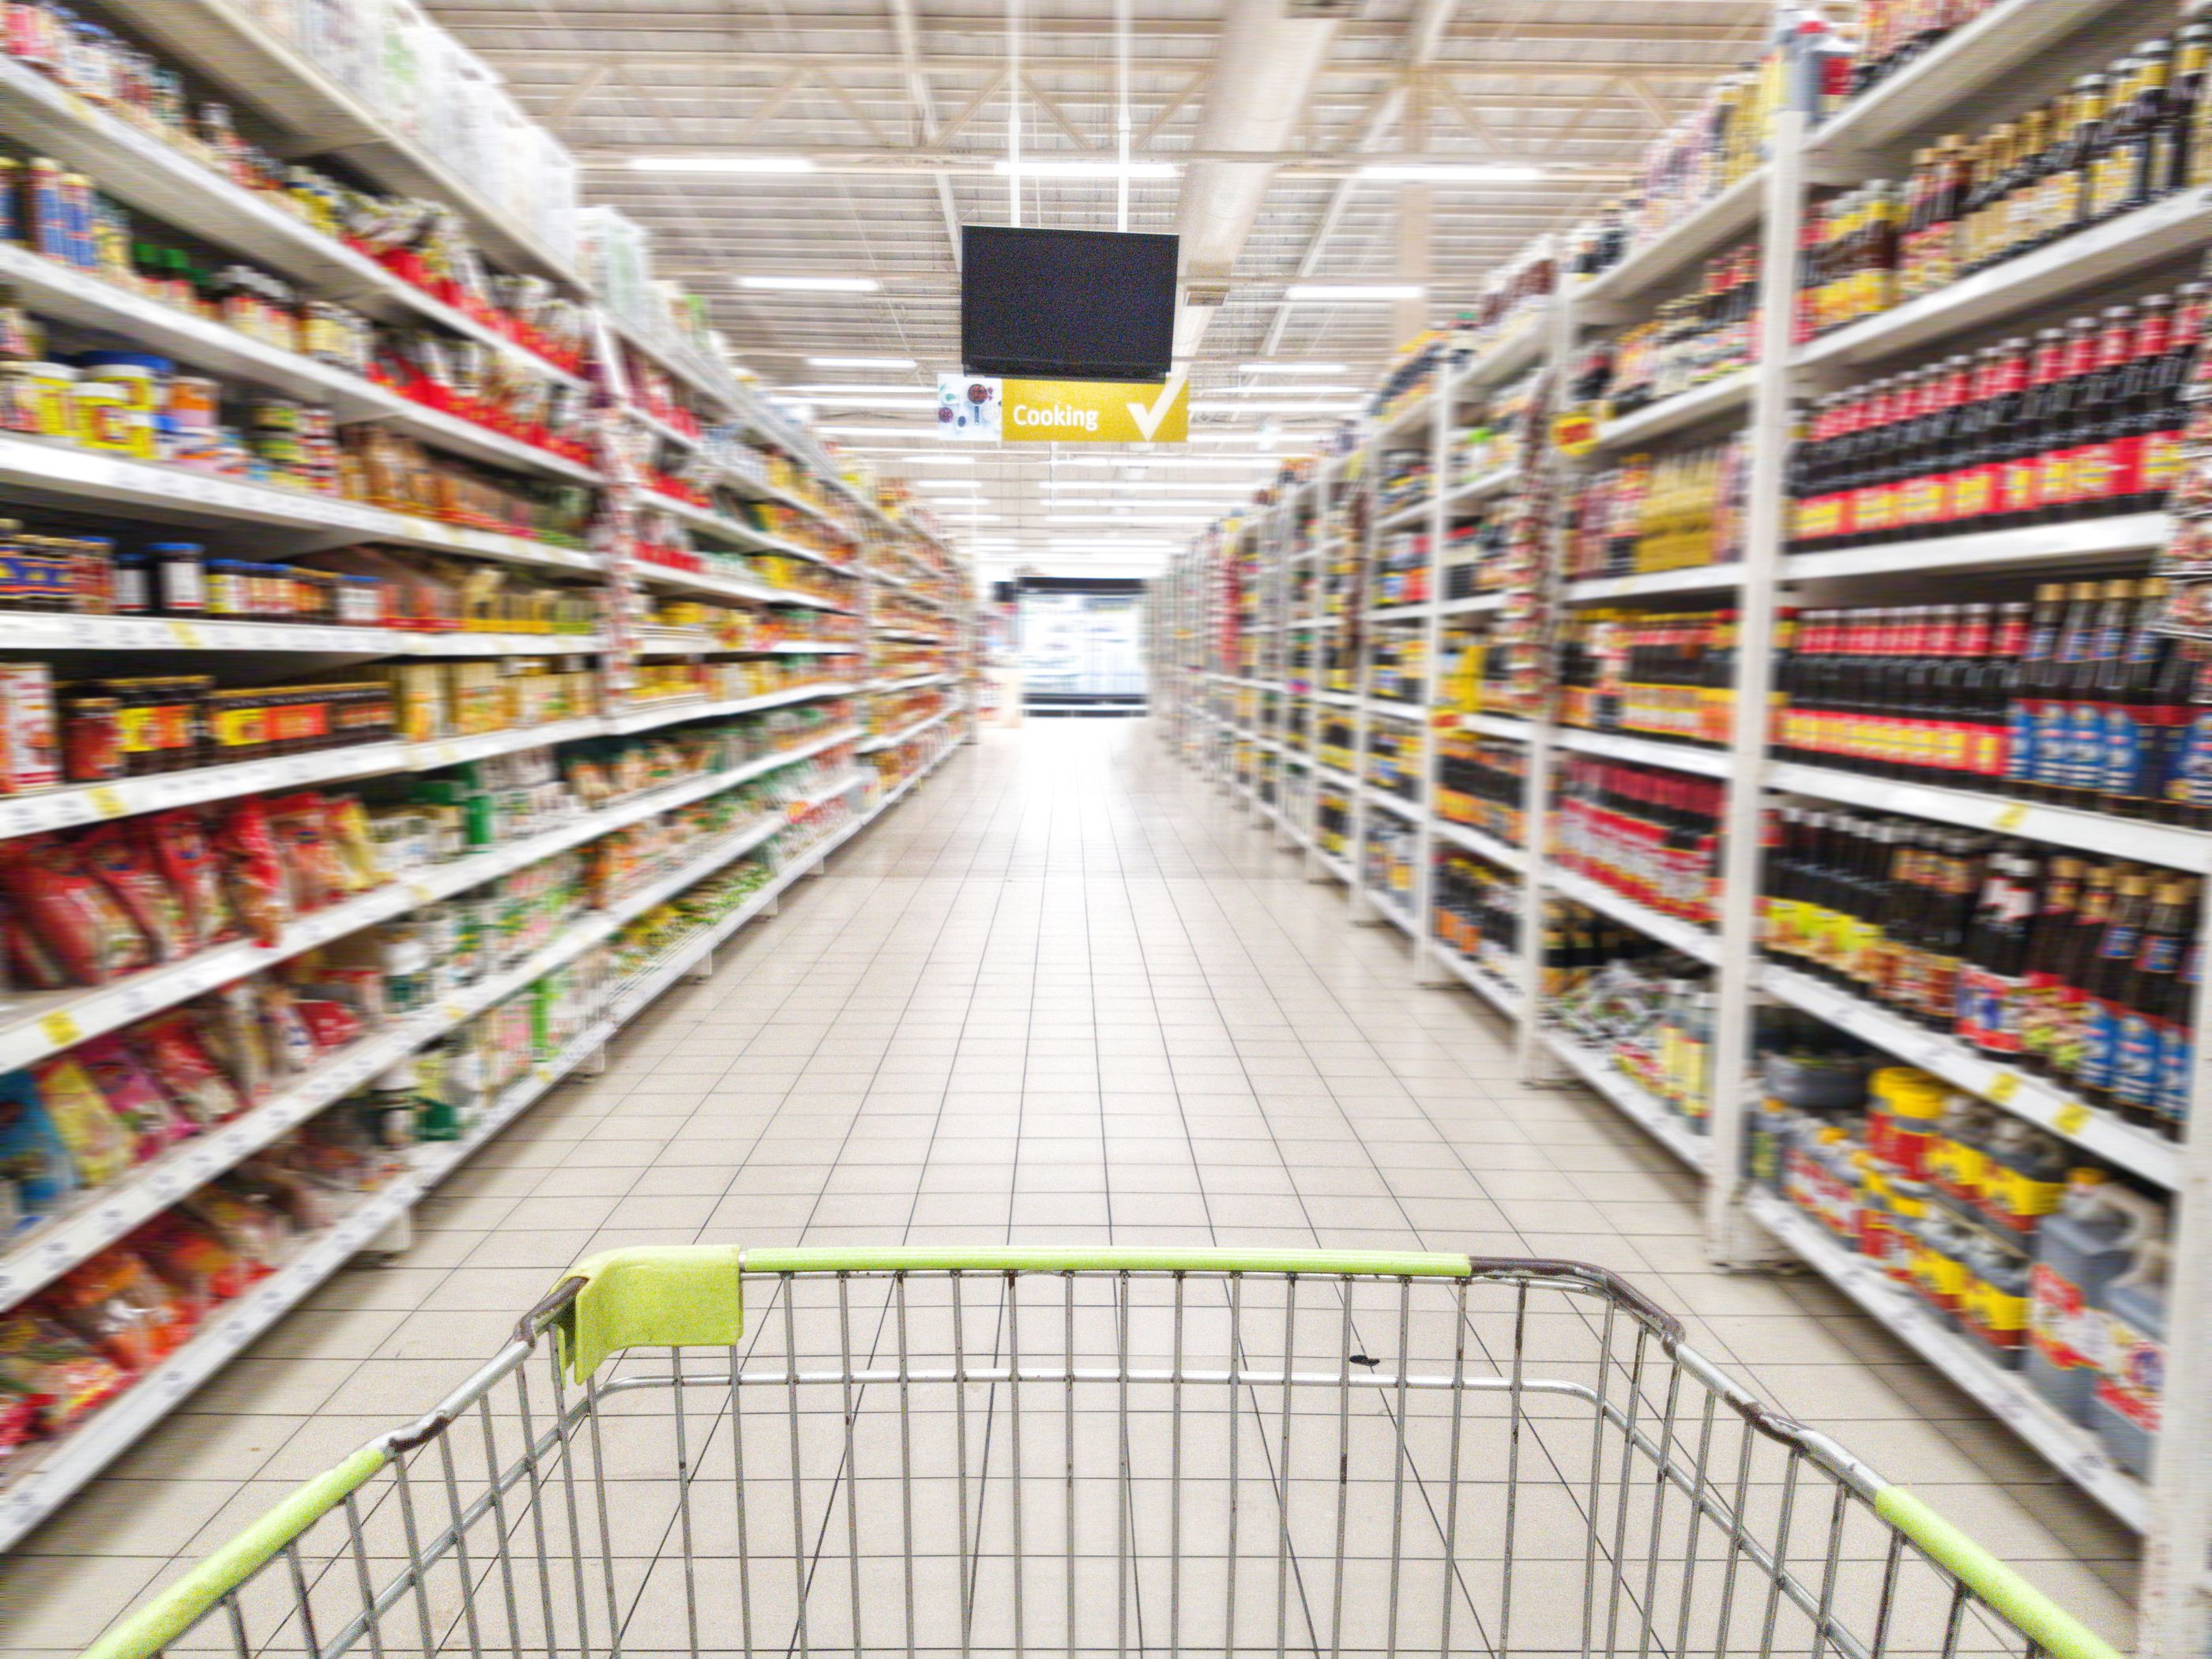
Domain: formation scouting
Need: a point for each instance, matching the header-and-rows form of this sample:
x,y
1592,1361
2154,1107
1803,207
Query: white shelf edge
x,y
1501,997
1647,752
1470,840
1645,1110
2057,544
1708,402
1690,940
2152,1157
1597,590
2069,1449
644,720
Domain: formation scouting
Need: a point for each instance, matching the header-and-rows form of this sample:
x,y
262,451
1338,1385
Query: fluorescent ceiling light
x,y
812,284
1339,408
1132,518
1276,368
1354,291
1467,172
1152,460
820,389
861,362
1085,169
720,164
948,484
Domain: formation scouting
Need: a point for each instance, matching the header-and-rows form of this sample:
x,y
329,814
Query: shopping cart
x,y
1008,1451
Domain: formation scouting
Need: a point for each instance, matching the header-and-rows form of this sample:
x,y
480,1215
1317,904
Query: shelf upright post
x,y
1538,1068
1362,908
1732,1238
1427,969
2174,1598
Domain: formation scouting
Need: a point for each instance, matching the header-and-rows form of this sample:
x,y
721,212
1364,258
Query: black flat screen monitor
x,y
1066,305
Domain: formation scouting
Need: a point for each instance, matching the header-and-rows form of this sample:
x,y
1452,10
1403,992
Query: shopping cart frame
x,y
690,1297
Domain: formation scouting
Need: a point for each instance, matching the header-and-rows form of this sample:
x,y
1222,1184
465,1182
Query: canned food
x,y
193,402
103,418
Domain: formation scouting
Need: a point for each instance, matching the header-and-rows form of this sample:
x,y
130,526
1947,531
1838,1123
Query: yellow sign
x,y
1574,431
1095,411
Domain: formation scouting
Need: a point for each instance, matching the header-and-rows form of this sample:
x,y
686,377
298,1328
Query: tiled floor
x,y
1064,995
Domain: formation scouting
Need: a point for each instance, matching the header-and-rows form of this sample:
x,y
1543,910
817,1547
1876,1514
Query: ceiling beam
x,y
733,55
925,111
1289,164
482,21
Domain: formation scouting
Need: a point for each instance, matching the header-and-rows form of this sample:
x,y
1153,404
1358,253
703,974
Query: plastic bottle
x,y
2095,1239
2126,1401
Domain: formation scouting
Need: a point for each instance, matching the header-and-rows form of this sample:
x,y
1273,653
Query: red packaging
x,y
332,1025
116,1302
148,1114
117,856
252,877
74,918
170,1048
185,856
300,829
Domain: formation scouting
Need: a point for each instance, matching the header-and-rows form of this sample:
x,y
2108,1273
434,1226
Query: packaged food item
x,y
29,757
348,823
71,914
194,1259
291,1048
229,1032
37,1174
30,964
49,1362
186,858
330,1024
243,1219
170,1047
252,876
308,853
99,1145
148,1115
115,1301
118,855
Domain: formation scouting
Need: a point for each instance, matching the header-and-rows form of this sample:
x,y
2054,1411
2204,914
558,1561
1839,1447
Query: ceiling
x,y
903,109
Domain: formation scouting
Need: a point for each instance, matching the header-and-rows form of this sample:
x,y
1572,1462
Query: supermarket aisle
x,y
1065,994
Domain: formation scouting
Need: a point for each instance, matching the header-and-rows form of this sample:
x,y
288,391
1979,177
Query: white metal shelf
x,y
1646,1111
644,720
1708,402
137,168
1482,486
1397,805
909,733
1411,514
2070,1449
1647,752
2126,535
1499,995
2090,832
47,1477
1701,579
1474,605
47,630
2111,1137
1927,94
1396,708
1703,229
36,472
1689,939
1471,840
2160,233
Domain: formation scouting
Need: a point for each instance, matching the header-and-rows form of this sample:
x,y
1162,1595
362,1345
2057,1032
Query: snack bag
x,y
230,1033
169,1045
242,1218
194,1259
115,1303
100,1146
347,821
118,857
72,916
37,1174
301,830
330,1024
30,964
186,858
47,1362
284,1033
147,1115
20,1411
254,877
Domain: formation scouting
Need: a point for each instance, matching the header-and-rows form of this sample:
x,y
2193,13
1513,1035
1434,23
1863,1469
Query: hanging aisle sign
x,y
978,408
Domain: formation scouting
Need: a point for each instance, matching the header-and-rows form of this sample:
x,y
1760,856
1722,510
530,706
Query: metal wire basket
x,y
1006,1451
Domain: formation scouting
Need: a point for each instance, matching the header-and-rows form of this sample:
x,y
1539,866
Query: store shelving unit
x,y
1216,657
858,557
